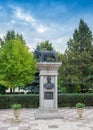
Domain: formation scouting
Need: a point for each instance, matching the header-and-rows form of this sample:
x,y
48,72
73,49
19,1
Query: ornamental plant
x,y
16,106
80,105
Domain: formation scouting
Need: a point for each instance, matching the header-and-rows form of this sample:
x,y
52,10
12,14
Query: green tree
x,y
77,61
45,45
17,64
11,35
82,38
60,56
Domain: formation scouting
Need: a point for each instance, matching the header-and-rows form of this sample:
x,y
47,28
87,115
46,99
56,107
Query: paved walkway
x,y
28,122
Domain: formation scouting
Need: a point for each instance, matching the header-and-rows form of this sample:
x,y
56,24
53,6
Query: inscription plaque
x,y
48,95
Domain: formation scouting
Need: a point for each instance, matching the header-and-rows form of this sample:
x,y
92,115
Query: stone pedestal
x,y
48,96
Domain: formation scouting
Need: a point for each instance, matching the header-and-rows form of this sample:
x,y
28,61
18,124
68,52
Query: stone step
x,y
48,114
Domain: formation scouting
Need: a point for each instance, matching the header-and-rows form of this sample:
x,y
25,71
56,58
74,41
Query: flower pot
x,y
17,114
80,112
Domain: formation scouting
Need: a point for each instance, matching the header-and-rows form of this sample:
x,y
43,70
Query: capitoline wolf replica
x,y
45,56
48,66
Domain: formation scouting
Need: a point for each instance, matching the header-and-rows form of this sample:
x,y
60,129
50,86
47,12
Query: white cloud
x,y
55,33
19,13
24,16
60,43
30,47
42,28
63,39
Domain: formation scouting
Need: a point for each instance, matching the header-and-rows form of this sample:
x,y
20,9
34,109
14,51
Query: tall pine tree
x,y
78,62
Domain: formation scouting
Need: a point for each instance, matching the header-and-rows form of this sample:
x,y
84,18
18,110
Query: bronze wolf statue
x,y
45,56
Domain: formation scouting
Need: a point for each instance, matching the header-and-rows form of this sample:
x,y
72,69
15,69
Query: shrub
x,y
32,100
69,100
80,105
16,106
27,101
2,89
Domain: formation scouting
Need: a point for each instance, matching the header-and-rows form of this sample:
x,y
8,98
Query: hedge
x,y
32,101
27,101
70,100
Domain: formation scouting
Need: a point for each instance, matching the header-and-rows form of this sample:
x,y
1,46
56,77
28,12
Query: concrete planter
x,y
80,109
80,112
16,109
17,114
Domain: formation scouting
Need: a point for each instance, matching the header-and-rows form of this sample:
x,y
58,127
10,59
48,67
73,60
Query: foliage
x,y
80,105
45,45
33,88
82,38
32,100
70,99
60,56
10,35
17,64
2,89
26,100
16,106
77,62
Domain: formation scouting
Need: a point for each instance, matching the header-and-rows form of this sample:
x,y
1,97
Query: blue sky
x,y
40,20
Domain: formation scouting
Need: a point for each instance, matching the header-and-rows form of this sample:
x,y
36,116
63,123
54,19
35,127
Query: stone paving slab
x,y
28,121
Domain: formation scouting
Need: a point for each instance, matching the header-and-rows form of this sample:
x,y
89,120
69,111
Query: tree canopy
x,y
10,35
17,64
45,45
82,38
77,62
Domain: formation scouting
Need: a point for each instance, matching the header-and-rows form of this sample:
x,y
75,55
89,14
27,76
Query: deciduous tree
x,y
17,64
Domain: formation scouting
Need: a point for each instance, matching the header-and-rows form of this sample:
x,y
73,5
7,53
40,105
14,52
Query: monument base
x,y
48,114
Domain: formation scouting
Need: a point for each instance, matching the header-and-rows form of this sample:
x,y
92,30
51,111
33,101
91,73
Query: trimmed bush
x,y
70,100
32,100
27,101
2,89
